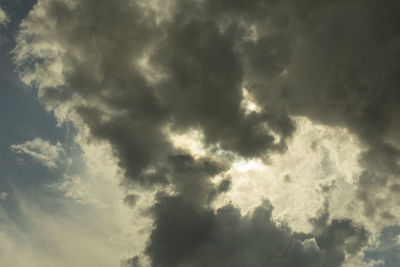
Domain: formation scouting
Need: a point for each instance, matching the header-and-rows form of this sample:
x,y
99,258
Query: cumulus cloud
x,y
188,232
40,150
185,236
317,156
153,68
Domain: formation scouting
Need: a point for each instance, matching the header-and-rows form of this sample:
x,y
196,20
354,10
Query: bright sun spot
x,y
317,156
191,141
248,103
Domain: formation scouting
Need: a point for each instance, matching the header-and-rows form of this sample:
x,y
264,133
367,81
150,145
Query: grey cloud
x,y
337,236
191,178
131,199
187,232
186,236
132,262
138,144
203,88
335,62
341,236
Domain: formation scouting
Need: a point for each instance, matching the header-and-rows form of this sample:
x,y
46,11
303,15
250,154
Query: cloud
x,y
317,155
131,199
186,236
139,139
40,150
4,195
79,213
188,232
150,70
3,17
387,249
38,235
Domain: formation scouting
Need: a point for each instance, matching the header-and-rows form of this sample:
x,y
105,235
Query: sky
x,y
199,133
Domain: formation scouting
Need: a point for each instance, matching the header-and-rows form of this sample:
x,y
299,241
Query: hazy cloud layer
x,y
128,76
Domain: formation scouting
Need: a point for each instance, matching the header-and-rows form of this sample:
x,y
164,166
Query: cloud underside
x,y
182,65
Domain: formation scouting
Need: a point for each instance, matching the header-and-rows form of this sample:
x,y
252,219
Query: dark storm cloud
x,y
203,88
336,236
188,232
187,236
347,73
335,62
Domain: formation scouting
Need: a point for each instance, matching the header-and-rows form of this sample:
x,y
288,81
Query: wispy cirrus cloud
x,y
41,151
